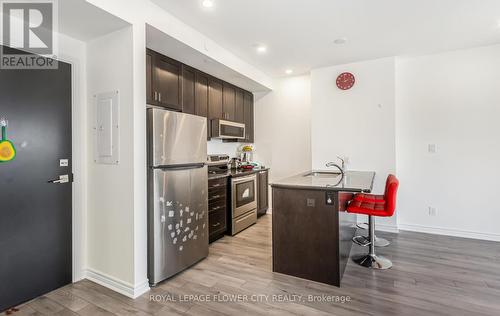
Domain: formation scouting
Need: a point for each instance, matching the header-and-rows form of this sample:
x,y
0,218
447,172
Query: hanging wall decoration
x,y
345,81
7,149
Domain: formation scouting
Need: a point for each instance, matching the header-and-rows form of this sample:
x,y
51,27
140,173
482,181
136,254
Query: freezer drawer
x,y
176,138
177,219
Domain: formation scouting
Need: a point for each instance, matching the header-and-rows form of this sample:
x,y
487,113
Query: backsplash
x,y
216,146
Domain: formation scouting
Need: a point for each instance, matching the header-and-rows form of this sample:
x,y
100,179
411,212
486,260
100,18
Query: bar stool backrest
x,y
391,191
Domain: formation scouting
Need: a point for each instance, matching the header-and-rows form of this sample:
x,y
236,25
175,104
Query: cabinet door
x,y
214,99
149,78
239,113
201,95
229,102
167,82
248,114
263,197
188,90
201,98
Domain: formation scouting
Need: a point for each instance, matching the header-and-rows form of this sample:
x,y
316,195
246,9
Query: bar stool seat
x,y
375,205
365,240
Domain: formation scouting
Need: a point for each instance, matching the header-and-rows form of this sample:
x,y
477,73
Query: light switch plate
x,y
63,162
432,148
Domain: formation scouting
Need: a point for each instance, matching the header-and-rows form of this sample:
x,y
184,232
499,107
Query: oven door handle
x,y
244,179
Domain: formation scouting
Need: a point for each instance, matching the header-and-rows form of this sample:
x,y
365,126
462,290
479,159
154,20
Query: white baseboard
x,y
117,285
449,232
387,228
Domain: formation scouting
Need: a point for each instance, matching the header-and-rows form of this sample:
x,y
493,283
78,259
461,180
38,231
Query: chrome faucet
x,y
343,163
332,164
341,169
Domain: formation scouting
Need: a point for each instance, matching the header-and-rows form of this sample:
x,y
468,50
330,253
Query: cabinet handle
x,y
215,225
159,96
216,208
215,186
215,197
156,96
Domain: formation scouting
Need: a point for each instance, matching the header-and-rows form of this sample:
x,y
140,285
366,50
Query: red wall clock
x,y
345,81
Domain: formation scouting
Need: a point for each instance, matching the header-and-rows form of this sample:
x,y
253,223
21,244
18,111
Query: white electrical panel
x,y
107,128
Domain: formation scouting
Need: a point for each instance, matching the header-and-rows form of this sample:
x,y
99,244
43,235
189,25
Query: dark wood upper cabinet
x,y
229,102
201,94
167,82
201,98
239,112
215,88
149,77
188,89
249,120
175,86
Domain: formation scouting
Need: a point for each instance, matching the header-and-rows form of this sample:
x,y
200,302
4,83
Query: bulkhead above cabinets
x,y
179,87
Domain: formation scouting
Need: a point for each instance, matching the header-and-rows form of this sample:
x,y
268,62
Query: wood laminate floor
x,y
432,275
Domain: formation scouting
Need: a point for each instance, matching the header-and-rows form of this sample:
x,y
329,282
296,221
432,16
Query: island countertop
x,y
353,181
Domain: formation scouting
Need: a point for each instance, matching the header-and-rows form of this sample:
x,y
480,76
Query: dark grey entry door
x,y
35,215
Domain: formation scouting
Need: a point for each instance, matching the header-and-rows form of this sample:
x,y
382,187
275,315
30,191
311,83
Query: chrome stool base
x,y
370,260
373,261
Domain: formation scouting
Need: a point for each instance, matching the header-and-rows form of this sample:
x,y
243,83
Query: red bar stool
x,y
375,205
365,240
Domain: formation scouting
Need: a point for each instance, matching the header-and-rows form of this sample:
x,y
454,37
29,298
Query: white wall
x,y
74,52
283,127
451,100
110,214
358,123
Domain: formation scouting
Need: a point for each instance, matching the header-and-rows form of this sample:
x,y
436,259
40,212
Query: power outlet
x,y
432,148
432,211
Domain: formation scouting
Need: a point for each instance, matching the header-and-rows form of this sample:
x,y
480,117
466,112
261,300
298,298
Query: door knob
x,y
62,179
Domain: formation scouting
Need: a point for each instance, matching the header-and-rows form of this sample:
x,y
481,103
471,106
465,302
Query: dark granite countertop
x,y
235,173
353,181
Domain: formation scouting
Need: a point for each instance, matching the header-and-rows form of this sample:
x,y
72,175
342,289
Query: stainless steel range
x,y
242,208
243,202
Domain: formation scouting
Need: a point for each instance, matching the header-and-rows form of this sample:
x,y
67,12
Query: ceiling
x,y
300,34
81,20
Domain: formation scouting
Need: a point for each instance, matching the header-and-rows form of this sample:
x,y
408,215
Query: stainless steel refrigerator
x,y
177,192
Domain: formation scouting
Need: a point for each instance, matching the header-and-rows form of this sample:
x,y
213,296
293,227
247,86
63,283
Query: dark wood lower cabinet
x,y
217,208
311,240
263,195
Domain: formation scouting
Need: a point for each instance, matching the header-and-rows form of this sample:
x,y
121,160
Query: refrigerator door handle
x,y
180,167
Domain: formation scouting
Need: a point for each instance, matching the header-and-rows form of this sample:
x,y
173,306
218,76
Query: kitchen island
x,y
312,231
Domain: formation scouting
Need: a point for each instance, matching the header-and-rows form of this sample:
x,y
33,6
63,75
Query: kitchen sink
x,y
323,174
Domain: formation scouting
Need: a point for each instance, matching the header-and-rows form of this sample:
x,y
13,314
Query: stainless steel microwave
x,y
227,130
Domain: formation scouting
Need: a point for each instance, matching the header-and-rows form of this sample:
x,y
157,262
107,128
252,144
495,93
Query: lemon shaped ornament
x,y
7,149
